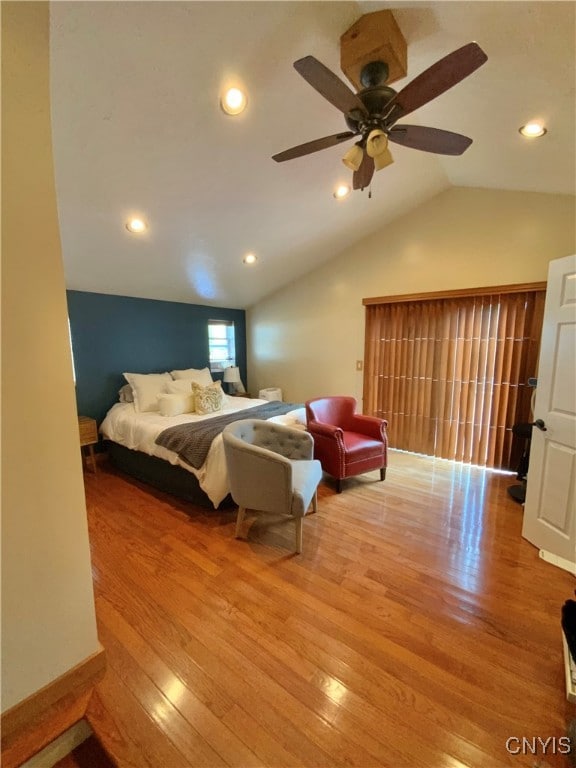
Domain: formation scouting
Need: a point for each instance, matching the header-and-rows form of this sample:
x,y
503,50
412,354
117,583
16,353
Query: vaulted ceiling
x,y
138,130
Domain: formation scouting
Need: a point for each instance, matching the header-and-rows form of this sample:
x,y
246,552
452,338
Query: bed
x,y
131,437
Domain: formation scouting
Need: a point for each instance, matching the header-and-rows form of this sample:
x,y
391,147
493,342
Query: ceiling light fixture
x,y
341,191
250,258
377,148
136,225
233,101
532,130
353,158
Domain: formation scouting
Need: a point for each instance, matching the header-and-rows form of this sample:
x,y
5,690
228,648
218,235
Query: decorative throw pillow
x,y
146,387
175,404
201,376
208,399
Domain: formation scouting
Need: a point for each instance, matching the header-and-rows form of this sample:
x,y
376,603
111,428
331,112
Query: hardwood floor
x,y
417,628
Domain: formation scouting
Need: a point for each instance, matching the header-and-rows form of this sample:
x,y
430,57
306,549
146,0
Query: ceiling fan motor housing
x,y
375,100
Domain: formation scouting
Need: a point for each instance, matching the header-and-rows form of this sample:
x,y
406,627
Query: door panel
x,y
563,400
550,509
556,491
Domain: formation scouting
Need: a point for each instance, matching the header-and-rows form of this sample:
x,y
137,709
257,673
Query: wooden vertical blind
x,y
450,373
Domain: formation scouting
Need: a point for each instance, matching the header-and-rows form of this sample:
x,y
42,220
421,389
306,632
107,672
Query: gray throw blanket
x,y
192,441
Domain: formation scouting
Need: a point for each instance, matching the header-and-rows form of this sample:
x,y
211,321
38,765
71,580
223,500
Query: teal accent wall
x,y
113,334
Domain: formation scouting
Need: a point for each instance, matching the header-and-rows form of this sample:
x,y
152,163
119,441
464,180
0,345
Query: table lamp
x,y
232,378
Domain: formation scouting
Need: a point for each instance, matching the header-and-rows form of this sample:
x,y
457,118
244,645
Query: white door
x,y
550,508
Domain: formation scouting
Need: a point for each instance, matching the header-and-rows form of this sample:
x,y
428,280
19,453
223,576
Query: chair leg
x,y
383,473
338,485
298,521
239,521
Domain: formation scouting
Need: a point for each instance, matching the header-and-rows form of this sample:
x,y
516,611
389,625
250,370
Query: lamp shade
x,y
377,143
353,158
383,159
232,374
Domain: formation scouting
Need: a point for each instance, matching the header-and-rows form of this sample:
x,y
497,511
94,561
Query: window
x,y
221,344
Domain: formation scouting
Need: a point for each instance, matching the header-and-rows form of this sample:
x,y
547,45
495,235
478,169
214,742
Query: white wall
x,y
307,337
48,621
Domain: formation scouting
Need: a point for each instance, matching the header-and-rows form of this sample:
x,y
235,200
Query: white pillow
x,y
176,403
181,386
201,376
146,387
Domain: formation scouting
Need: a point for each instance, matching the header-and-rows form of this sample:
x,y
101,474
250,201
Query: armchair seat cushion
x,y
358,446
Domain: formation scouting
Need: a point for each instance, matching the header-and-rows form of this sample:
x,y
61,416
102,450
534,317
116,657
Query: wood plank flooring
x,y
417,627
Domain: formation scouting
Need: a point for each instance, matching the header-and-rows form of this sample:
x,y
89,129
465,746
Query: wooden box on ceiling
x,y
374,37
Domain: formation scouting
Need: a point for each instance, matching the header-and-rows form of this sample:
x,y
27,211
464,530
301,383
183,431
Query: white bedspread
x,y
138,431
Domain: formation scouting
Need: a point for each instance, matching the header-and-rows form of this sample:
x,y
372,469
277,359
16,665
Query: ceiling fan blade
x,y
438,78
430,139
363,176
329,85
313,146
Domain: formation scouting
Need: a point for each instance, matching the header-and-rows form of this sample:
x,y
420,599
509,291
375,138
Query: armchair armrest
x,y
368,425
325,430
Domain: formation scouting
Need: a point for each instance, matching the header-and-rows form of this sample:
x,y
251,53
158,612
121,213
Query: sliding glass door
x,y
450,371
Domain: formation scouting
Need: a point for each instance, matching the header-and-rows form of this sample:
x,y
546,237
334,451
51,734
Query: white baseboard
x,y
559,562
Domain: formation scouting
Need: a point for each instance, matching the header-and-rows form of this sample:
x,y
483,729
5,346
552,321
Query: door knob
x,y
540,424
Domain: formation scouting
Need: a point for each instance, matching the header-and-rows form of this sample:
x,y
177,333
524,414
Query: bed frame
x,y
161,475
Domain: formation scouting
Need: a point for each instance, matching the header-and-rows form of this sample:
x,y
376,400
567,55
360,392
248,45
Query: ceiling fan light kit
x,y
370,62
383,160
353,158
377,142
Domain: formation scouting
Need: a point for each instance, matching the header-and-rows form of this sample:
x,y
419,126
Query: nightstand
x,y
88,437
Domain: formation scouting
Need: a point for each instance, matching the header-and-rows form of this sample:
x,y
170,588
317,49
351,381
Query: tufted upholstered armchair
x,y
345,442
271,469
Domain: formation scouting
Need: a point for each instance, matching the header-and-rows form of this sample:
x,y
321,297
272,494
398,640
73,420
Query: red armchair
x,y
346,443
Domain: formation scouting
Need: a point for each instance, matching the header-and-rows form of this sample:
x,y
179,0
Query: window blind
x,y
450,374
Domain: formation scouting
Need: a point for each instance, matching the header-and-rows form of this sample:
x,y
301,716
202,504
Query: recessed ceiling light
x,y
532,130
233,101
341,191
250,258
136,225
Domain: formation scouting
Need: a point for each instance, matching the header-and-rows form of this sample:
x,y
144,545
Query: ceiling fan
x,y
373,112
